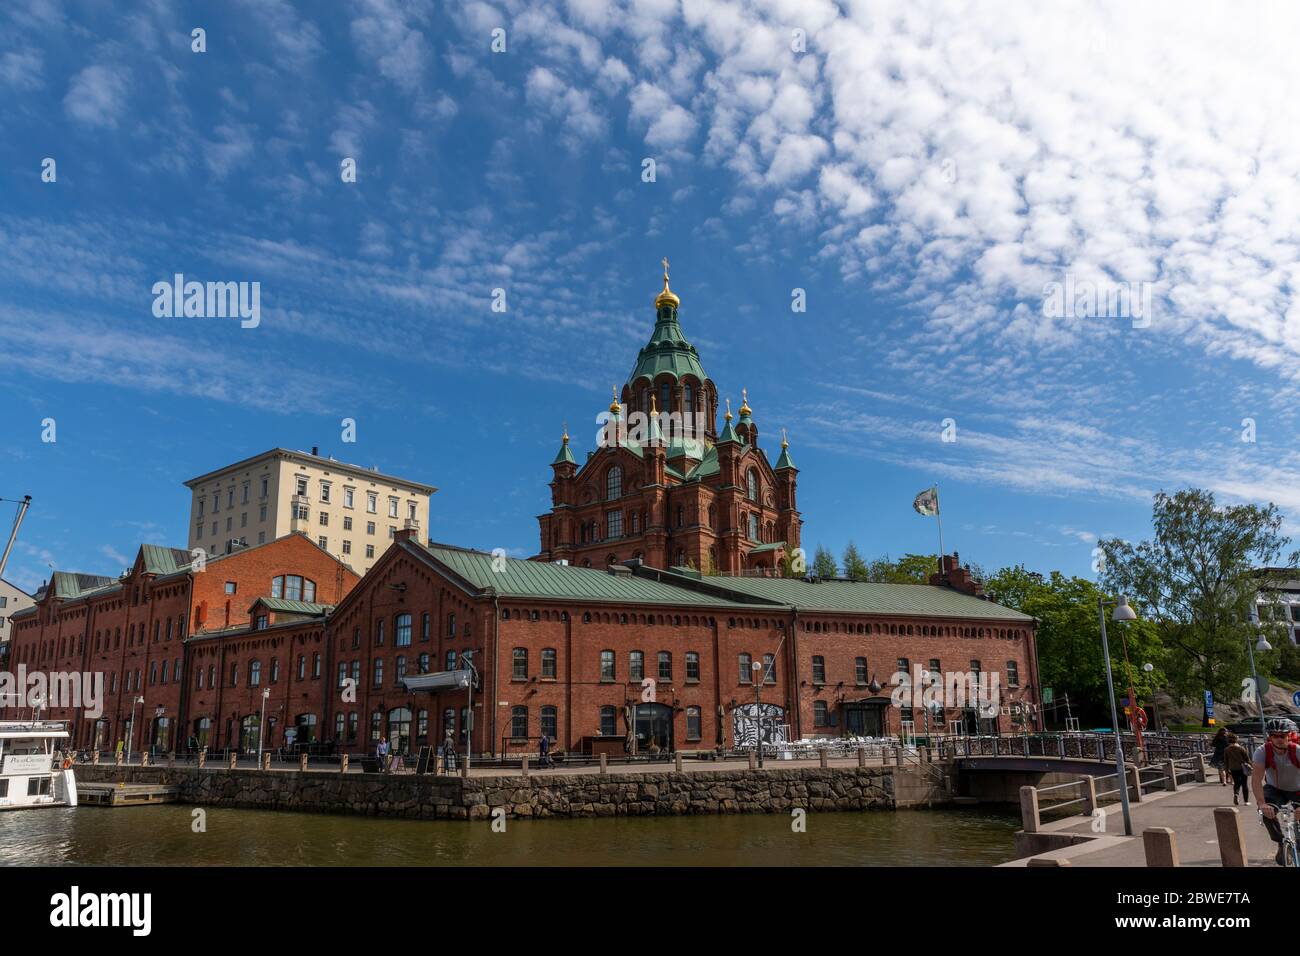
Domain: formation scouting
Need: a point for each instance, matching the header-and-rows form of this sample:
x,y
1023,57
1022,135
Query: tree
x,y
1198,578
824,563
855,569
1068,638
909,569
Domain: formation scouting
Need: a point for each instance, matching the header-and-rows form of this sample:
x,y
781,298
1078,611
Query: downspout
x,y
793,671
1038,681
496,643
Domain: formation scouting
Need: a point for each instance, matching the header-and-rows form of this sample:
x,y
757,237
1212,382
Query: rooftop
x,y
370,474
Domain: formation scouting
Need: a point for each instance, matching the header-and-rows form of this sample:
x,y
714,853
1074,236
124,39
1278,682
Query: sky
x,y
925,177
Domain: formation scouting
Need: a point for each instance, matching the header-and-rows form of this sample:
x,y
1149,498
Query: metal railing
x,y
1165,775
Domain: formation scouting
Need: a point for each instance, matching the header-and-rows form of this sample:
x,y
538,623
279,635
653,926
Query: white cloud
x,y
97,95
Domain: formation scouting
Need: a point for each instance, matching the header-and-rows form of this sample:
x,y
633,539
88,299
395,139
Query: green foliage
x,y
824,563
1198,579
855,569
1070,659
909,569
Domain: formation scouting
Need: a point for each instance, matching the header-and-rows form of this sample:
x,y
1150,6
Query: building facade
x,y
663,485
156,632
12,600
350,511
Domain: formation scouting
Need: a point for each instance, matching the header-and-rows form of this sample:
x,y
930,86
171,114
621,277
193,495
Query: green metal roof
x,y
69,584
903,599
708,465
771,546
294,607
565,454
785,461
160,560
667,351
537,579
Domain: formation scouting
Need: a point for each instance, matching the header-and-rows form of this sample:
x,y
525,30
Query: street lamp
x,y
266,693
1122,612
757,668
1155,708
131,746
467,659
1261,646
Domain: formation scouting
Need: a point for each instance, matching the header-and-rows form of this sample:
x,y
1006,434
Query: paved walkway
x,y
1189,812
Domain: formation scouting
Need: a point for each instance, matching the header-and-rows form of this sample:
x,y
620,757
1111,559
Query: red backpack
x,y
1290,752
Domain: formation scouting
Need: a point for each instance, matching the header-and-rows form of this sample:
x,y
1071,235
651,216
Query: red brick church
x,y
664,485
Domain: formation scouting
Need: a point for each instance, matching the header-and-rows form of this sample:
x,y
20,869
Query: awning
x,y
443,680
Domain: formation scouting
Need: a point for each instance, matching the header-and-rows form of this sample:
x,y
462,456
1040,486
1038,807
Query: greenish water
x,y
163,836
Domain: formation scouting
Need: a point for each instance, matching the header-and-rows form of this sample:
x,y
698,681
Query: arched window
x,y
753,526
519,722
692,723
519,664
688,400
548,663
255,674
614,483
636,666
752,482
608,721
402,631
665,399
549,722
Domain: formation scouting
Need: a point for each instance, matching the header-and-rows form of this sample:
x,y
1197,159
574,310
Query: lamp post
x,y
1122,612
467,659
757,668
266,693
131,746
1262,646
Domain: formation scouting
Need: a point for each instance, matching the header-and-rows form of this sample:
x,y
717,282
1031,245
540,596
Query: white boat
x,y
29,774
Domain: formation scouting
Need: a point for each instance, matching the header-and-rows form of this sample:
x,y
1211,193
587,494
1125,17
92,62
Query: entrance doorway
x,y
864,718
654,725
399,730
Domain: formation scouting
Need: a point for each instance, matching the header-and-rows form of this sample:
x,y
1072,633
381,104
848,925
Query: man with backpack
x,y
1275,776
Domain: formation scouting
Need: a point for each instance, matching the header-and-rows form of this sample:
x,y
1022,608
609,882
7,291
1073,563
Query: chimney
x,y
315,451
953,575
407,534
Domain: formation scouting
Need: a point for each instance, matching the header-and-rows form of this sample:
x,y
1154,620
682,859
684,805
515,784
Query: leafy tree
x,y
1070,660
909,569
824,563
855,569
711,567
1198,578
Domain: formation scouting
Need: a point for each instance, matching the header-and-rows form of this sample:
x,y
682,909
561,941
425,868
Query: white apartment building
x,y
12,600
350,511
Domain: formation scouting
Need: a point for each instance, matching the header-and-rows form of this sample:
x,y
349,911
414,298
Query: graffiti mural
x,y
744,727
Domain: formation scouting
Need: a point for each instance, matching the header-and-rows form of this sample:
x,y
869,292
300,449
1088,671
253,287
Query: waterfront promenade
x,y
1189,812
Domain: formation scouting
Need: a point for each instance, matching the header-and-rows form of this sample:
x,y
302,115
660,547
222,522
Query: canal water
x,y
164,836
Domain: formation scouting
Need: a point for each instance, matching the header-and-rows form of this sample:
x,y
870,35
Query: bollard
x,y
94,758
862,756
753,759
233,760
604,763
1160,846
1135,784
118,758
923,754
464,772
203,759
144,758
1198,769
1171,774
1029,809
898,756
1232,842
523,765
1089,795
1048,861
343,763
824,759
677,761
302,761
266,761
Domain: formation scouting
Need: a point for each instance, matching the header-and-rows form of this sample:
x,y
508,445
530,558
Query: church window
x,y
753,526
688,401
614,483
615,523
753,485
681,516
665,401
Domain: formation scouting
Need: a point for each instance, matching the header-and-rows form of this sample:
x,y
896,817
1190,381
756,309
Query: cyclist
x,y
1275,776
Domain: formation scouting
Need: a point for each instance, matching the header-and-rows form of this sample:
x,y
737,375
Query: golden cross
x,y
665,268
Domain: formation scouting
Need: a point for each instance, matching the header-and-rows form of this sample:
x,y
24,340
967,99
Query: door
x,y
654,727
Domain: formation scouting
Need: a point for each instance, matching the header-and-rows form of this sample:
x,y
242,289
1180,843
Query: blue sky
x,y
921,170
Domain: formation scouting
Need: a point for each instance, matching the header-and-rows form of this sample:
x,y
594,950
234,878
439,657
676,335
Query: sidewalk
x,y
1189,812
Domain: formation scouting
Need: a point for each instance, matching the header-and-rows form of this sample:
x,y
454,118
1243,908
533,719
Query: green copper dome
x,y
667,351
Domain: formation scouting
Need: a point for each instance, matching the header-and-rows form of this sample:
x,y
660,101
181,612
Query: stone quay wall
x,y
429,796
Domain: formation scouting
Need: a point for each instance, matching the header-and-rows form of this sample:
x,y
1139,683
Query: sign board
x,y
423,761
1209,704
27,763
1295,698
1048,698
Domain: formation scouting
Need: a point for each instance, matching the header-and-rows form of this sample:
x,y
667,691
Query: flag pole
x,y
938,514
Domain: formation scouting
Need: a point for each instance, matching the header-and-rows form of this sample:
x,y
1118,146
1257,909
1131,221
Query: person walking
x,y
1219,745
449,753
544,752
1275,776
381,753
1236,759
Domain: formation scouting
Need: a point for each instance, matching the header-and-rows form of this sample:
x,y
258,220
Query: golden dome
x,y
667,297
614,407
728,409
744,403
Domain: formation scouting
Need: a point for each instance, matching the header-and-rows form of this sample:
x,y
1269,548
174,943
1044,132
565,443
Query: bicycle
x,y
1285,817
